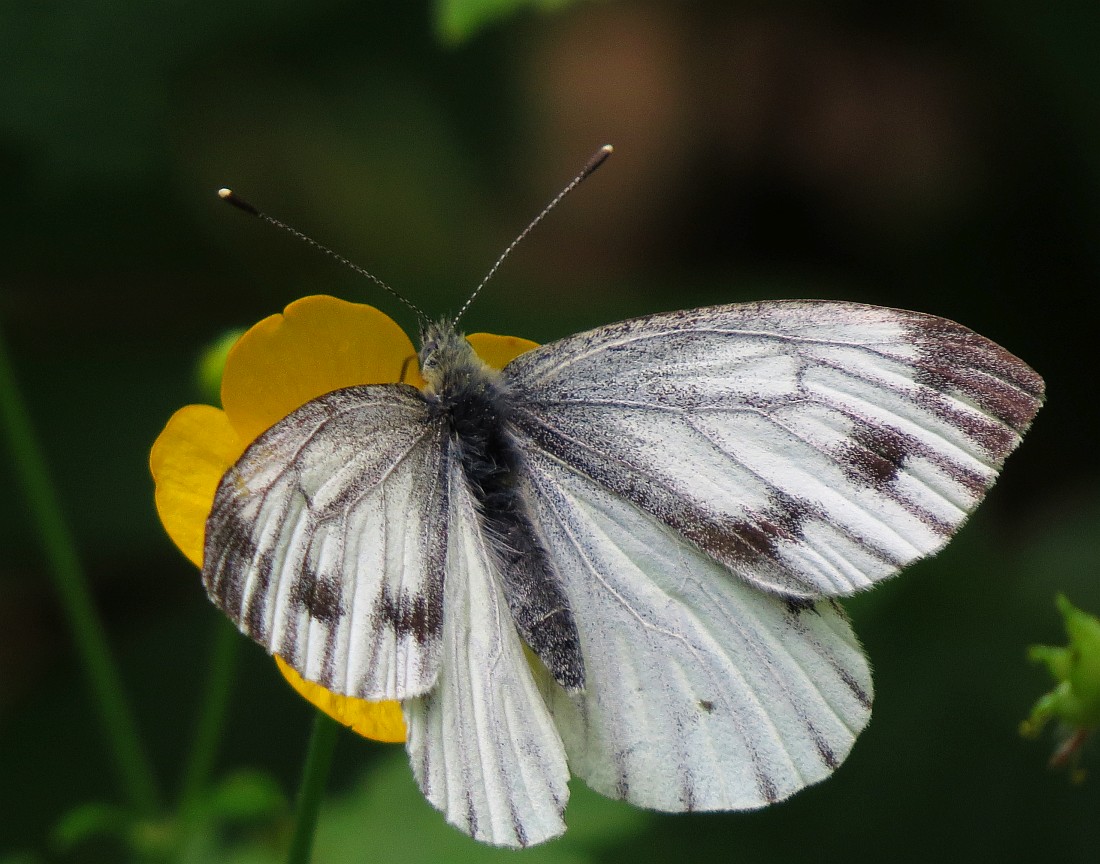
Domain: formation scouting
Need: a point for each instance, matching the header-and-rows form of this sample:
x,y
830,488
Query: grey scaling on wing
x,y
812,448
327,539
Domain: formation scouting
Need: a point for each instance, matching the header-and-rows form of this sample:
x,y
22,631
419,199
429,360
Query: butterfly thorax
x,y
473,401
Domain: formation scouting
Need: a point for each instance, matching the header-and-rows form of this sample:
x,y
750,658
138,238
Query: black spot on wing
x,y
320,595
408,614
971,480
875,455
706,705
798,605
749,541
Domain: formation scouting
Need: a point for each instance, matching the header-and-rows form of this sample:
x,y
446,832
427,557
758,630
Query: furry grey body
x,y
472,402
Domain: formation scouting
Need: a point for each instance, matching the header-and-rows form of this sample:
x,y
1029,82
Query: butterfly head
x,y
447,362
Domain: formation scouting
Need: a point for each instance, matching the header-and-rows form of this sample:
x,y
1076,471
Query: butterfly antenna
x,y
597,159
231,197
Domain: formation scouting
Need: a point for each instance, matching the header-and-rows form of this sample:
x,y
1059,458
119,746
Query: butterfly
x,y
618,557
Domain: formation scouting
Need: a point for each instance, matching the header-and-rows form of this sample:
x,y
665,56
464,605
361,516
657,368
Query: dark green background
x,y
941,156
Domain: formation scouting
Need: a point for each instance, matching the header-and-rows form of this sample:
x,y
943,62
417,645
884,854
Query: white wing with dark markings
x,y
326,542
482,744
811,447
703,693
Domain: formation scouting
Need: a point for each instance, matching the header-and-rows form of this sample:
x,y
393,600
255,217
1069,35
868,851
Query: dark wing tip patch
x,y
956,360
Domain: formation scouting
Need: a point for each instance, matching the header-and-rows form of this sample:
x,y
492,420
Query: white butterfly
x,y
661,510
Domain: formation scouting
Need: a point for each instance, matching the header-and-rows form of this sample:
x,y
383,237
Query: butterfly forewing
x,y
327,539
482,744
703,693
811,447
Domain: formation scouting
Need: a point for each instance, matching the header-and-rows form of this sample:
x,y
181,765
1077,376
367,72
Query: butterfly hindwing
x,y
327,539
482,744
811,447
703,693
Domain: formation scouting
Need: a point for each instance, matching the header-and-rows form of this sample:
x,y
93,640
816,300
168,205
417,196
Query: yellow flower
x,y
318,344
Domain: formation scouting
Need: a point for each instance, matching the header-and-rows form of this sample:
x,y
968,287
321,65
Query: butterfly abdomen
x,y
474,404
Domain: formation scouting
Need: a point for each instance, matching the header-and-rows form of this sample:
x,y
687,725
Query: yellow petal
x,y
499,351
381,721
318,344
188,460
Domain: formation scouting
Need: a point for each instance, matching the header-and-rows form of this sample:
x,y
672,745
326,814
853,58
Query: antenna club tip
x,y
230,197
598,158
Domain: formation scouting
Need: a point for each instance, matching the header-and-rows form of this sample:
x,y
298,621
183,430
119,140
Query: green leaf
x,y
1075,701
90,822
1083,630
458,20
247,796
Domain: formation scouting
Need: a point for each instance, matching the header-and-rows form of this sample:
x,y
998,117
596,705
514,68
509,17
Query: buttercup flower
x,y
318,344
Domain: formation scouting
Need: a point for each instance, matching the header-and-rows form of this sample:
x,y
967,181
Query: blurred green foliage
x,y
1075,701
457,20
943,156
211,365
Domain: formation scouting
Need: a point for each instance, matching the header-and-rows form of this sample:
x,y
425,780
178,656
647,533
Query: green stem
x,y
88,635
322,743
219,684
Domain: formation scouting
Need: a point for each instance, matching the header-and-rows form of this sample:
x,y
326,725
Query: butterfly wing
x,y
482,744
812,448
327,540
703,693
